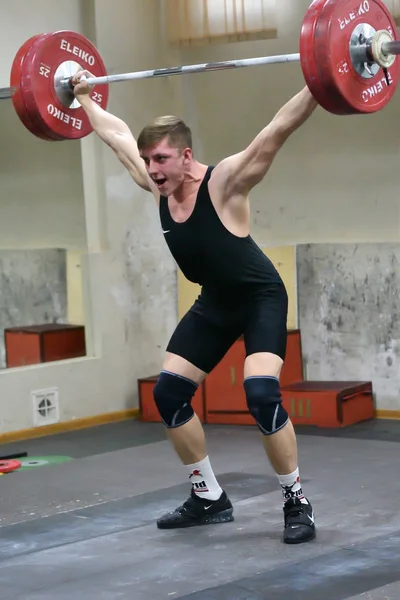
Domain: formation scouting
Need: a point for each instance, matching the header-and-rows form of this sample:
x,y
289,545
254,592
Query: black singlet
x,y
224,264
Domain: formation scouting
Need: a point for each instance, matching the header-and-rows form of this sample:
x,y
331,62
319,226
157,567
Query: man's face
x,y
166,165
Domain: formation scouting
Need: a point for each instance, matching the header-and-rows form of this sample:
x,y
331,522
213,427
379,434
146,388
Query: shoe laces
x,y
295,511
295,508
188,506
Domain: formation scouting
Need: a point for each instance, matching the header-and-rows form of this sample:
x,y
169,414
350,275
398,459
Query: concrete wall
x,y
349,306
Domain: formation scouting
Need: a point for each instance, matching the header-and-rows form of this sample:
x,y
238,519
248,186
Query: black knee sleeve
x,y
265,403
173,395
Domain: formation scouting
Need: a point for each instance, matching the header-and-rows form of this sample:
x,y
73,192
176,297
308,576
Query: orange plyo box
x,y
225,398
43,343
329,403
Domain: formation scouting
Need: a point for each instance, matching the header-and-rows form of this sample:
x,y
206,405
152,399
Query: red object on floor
x,y
225,399
221,398
8,466
329,403
292,369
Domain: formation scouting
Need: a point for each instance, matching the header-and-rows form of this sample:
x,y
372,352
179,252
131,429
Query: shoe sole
x,y
224,516
303,541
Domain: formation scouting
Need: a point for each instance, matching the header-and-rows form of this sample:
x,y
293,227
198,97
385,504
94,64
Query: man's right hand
x,y
81,87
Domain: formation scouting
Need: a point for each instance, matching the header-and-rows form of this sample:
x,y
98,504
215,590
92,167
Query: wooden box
x,y
329,403
43,343
225,399
292,369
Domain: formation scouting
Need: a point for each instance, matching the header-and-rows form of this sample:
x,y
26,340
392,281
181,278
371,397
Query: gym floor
x,y
83,527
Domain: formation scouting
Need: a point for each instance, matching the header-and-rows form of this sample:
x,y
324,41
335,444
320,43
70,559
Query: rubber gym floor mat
x,y
238,561
132,433
113,549
390,591
90,441
112,517
336,576
383,430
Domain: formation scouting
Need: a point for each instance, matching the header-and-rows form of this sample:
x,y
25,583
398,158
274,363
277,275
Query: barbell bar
x,y
391,47
348,52
186,69
170,71
5,93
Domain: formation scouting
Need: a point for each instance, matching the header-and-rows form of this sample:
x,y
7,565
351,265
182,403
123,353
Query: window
x,y
207,21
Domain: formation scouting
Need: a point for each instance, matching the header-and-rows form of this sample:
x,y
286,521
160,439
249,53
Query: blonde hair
x,y
178,133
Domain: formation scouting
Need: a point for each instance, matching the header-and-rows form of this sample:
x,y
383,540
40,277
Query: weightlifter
x,y
205,214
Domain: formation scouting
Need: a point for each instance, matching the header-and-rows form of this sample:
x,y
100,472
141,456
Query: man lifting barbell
x,y
348,58
204,215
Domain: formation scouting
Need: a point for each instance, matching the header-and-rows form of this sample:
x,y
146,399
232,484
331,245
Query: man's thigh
x,y
197,346
265,337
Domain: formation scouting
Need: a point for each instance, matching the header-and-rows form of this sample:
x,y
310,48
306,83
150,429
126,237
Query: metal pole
x,y
5,93
391,47
200,68
169,71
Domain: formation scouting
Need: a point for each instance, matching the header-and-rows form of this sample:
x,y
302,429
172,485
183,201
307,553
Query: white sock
x,y
202,478
291,486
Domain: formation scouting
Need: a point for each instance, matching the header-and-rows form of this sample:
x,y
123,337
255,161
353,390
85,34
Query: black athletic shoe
x,y
198,511
299,522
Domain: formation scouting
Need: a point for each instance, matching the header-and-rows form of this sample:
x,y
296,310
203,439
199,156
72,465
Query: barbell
x,y
348,55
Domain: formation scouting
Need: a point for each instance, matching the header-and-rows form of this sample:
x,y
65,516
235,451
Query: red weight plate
x,y
335,25
6,466
309,64
17,96
39,128
60,55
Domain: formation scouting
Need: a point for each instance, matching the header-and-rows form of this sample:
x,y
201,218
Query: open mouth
x,y
160,182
